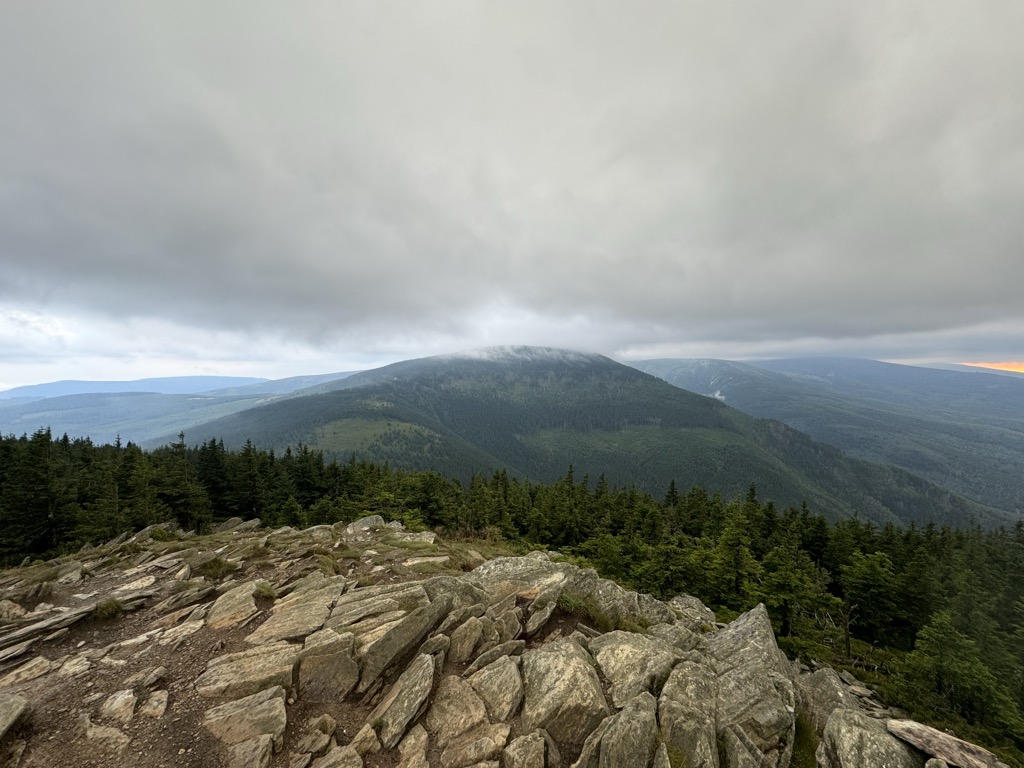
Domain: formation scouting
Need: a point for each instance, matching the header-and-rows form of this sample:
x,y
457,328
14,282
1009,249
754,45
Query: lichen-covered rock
x,y
854,740
456,709
754,689
632,735
687,712
327,667
821,692
297,615
562,693
464,640
234,607
525,752
399,640
500,686
249,717
247,672
404,701
632,663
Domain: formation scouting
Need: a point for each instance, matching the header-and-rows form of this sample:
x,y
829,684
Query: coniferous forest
x,y
932,617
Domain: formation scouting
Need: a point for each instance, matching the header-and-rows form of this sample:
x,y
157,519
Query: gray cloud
x,y
382,178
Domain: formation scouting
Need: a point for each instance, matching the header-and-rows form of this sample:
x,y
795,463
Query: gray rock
x,y
853,740
525,752
661,757
12,709
464,640
327,669
680,637
562,693
252,753
119,707
934,762
481,744
511,648
456,709
340,757
297,615
413,748
939,744
632,735
687,712
632,663
691,611
821,692
243,674
363,525
500,686
754,689
399,640
233,608
238,721
404,701
112,739
738,751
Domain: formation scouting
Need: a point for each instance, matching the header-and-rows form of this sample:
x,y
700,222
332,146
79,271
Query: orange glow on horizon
x,y
1015,367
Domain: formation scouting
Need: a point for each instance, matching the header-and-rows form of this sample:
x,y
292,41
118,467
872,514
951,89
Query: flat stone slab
x,y
12,709
243,674
941,745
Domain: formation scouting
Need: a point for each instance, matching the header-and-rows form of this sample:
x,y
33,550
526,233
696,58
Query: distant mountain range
x,y
536,411
962,430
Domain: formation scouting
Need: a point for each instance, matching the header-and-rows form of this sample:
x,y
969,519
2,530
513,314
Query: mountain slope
x,y
168,385
962,431
536,411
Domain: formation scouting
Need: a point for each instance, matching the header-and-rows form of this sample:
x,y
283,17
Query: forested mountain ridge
x,y
535,411
960,430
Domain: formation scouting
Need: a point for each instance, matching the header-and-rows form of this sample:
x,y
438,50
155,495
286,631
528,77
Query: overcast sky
x,y
270,188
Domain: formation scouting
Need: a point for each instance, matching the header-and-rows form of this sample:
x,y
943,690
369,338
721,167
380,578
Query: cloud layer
x,y
370,181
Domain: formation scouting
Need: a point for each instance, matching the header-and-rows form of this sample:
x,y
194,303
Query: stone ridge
x,y
368,645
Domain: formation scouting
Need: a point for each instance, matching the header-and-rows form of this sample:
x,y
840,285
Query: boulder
x,y
404,701
399,640
500,686
822,692
12,709
456,709
754,689
632,735
525,752
234,607
482,744
687,712
327,669
243,674
247,718
464,640
853,740
561,692
941,745
340,757
632,663
256,752
297,615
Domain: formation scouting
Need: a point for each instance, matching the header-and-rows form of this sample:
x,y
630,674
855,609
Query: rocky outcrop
x,y
328,648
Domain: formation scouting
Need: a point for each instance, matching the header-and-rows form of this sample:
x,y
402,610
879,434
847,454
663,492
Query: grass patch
x,y
264,590
805,744
215,569
161,534
107,610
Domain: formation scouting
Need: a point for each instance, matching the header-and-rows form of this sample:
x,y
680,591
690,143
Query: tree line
x,y
940,608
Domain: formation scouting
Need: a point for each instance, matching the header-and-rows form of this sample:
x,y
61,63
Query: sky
x,y
272,189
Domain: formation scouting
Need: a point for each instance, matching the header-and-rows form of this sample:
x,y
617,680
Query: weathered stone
x,y
464,640
119,707
155,705
525,752
363,525
456,710
500,686
687,713
934,762
511,648
462,592
340,757
509,625
112,739
562,693
754,689
479,745
404,701
632,663
539,618
362,604
399,640
661,757
314,742
821,692
436,644
12,709
692,612
631,737
680,637
365,741
413,748
30,670
853,740
249,717
297,615
327,669
934,742
233,608
245,673
253,753
738,751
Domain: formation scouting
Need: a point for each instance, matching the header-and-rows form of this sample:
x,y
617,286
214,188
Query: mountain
x,y
538,411
142,410
170,385
960,430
